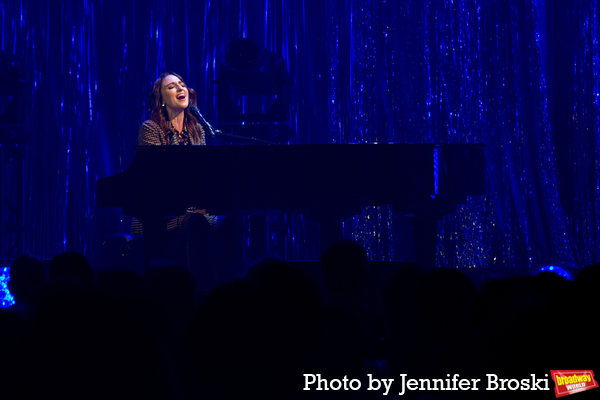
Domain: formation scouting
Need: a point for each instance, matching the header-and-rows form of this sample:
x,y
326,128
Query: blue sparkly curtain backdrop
x,y
364,71
456,72
577,99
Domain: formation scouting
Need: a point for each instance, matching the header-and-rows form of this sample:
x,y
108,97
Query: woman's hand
x,y
197,210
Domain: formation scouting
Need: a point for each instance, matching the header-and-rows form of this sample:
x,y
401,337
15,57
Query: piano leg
x,y
425,223
425,234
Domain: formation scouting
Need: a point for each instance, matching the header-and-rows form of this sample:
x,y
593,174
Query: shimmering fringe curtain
x,y
583,115
455,72
364,71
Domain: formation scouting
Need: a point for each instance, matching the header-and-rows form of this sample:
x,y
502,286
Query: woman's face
x,y
174,93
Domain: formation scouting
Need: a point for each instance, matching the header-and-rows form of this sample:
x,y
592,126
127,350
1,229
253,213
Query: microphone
x,y
196,113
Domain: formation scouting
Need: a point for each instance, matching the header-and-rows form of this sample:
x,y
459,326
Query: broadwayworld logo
x,y
571,381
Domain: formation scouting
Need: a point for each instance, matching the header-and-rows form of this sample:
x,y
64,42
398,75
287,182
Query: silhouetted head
x,y
27,278
262,267
277,310
73,265
120,284
444,300
400,295
172,287
591,274
344,269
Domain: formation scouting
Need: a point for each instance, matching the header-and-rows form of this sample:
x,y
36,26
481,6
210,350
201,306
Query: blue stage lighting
x,y
555,269
6,299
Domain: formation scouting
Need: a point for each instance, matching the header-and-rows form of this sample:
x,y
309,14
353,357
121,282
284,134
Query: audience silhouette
x,y
27,280
160,336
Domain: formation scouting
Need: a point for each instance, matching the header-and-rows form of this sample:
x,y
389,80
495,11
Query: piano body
x,y
329,182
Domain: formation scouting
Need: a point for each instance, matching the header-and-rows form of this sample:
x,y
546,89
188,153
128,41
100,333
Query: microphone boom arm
x,y
212,131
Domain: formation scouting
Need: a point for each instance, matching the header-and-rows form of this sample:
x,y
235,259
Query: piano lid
x,y
296,177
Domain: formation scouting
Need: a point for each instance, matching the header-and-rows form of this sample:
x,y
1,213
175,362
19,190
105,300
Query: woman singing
x,y
172,123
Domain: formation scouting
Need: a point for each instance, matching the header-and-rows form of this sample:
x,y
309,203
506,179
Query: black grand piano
x,y
329,182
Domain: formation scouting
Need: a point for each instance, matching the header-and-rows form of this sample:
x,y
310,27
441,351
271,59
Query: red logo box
x,y
572,381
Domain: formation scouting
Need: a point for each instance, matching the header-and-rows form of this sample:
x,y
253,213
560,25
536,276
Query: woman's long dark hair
x,y
158,113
